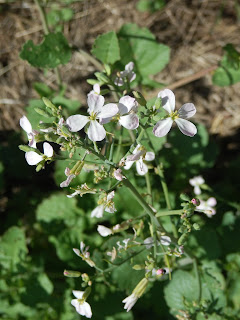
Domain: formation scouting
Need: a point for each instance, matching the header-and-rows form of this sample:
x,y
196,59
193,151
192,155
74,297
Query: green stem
x,y
169,213
149,188
164,185
119,146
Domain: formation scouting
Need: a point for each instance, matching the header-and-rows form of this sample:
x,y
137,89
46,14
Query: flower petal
x,y
47,149
76,122
126,104
211,202
149,156
108,111
78,294
165,240
128,164
162,127
130,121
97,212
129,67
87,310
186,127
104,231
197,190
188,110
118,81
96,88
95,103
96,131
33,158
168,100
141,167
25,124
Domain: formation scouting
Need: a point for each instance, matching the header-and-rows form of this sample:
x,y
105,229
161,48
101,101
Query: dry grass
x,y
195,30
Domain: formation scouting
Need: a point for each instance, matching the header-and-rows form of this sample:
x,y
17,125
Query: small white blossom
x,y
130,302
188,110
108,206
84,254
139,155
118,174
27,127
96,110
126,75
96,89
104,231
34,158
208,206
82,307
164,240
66,182
196,182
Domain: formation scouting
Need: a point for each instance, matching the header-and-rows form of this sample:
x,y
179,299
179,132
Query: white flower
x,y
196,182
66,182
188,110
128,120
34,158
96,110
96,89
139,155
118,174
164,240
208,206
104,231
130,301
84,254
27,127
81,306
108,206
126,75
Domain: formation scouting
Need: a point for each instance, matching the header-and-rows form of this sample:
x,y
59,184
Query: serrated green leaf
x,y
182,286
106,48
54,50
13,248
140,46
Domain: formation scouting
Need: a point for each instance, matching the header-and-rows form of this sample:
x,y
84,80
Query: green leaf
x,y
43,90
58,208
150,5
13,248
33,116
57,16
226,75
106,48
182,286
140,46
54,50
71,105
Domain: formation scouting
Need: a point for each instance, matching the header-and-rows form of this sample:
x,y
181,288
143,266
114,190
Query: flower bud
x,y
42,112
196,226
140,98
71,274
50,105
195,201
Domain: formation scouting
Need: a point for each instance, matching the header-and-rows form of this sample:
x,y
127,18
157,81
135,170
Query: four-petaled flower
x,y
34,158
27,127
107,205
139,155
82,307
96,110
188,110
84,254
208,206
196,182
126,75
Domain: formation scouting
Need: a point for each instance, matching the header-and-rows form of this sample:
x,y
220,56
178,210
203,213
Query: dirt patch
x,y
195,31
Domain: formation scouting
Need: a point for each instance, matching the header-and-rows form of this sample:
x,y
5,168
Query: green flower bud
x,y
101,77
182,239
50,105
72,274
44,125
43,112
158,103
196,226
140,98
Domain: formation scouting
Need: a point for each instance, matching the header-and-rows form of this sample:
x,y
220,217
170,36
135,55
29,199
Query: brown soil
x,y
195,30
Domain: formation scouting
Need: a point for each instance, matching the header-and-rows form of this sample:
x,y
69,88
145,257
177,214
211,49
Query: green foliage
x,y
55,17
106,48
53,51
140,46
229,71
150,5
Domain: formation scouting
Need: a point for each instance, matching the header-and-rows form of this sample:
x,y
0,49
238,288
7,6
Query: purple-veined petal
x,y
168,100
188,110
76,122
33,158
131,76
136,156
118,81
25,124
211,202
129,67
78,294
141,167
130,121
126,104
95,103
108,111
47,149
149,156
66,183
162,127
186,127
96,131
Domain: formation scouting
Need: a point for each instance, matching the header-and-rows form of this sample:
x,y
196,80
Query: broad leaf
x,y
106,48
227,74
54,50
